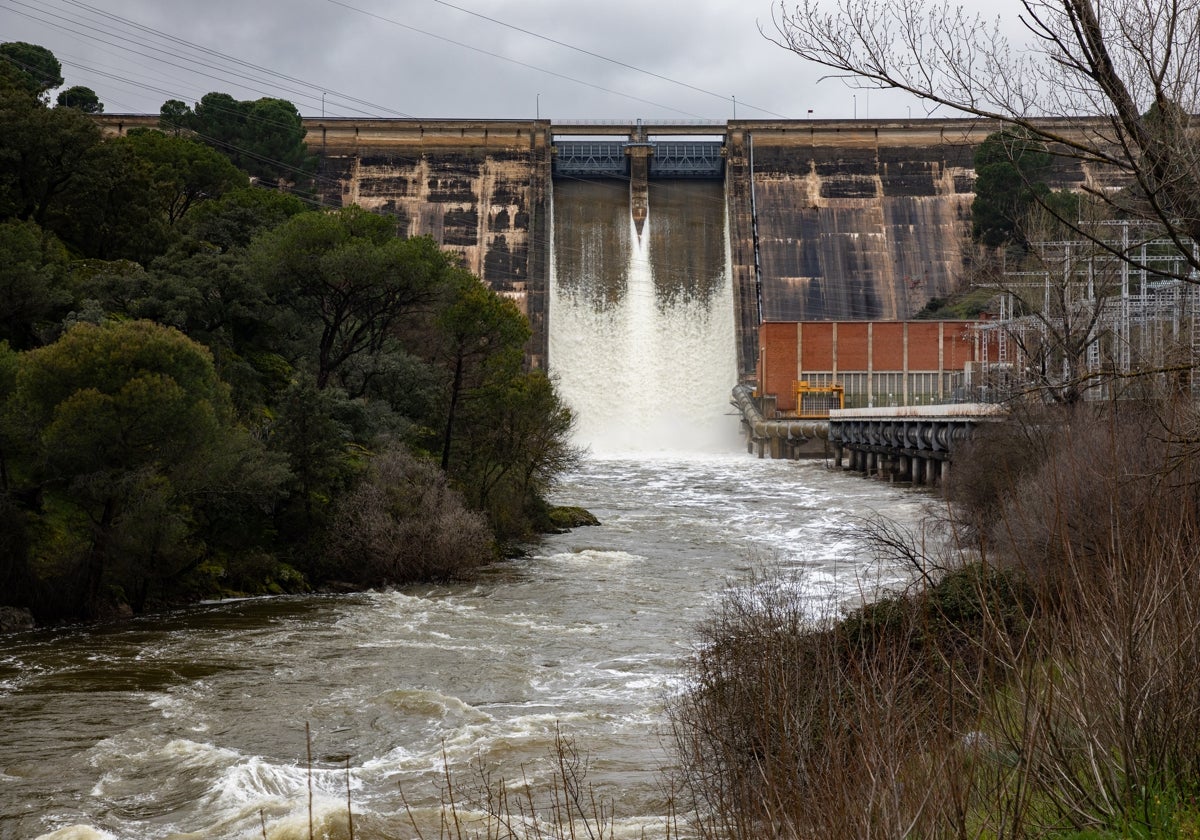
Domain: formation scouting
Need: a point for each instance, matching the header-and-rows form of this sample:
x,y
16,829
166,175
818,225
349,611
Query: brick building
x,y
876,363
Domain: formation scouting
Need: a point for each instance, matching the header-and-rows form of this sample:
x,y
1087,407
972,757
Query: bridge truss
x,y
668,159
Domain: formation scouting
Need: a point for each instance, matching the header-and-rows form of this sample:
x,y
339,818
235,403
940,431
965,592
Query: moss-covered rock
x,y
13,619
565,517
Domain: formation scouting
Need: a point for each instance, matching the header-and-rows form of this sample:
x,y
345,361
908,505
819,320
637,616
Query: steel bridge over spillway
x,y
595,150
666,159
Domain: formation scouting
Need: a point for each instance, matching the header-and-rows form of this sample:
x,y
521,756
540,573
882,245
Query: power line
x,y
599,56
314,87
491,54
270,88
324,89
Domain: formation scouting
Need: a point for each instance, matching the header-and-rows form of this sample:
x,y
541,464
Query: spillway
x,y
641,328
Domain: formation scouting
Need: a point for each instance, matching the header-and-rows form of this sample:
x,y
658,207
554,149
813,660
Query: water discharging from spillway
x,y
641,326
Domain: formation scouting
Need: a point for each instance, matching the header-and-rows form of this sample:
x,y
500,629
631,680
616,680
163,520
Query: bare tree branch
x,y
1113,85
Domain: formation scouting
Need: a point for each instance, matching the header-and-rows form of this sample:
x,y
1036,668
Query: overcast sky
x,y
429,58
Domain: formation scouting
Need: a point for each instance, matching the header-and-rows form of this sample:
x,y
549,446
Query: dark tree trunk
x,y
455,387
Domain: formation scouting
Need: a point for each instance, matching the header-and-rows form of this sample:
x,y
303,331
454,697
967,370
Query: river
x,y
192,724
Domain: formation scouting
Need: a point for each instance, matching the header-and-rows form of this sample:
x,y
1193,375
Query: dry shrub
x,y
996,460
802,727
404,523
1099,484
565,807
1100,714
1051,688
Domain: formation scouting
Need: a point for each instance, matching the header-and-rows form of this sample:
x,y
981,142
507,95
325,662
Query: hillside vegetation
x,y
209,387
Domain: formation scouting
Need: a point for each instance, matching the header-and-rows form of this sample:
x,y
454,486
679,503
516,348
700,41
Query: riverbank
x,y
555,520
1037,678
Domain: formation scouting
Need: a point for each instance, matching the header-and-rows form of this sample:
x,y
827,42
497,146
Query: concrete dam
x,y
825,219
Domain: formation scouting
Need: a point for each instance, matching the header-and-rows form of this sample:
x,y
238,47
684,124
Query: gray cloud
x,y
714,45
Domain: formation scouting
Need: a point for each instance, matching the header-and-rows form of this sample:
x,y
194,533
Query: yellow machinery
x,y
818,400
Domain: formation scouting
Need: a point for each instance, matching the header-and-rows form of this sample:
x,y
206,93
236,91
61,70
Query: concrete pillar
x,y
872,461
931,471
639,195
838,451
905,468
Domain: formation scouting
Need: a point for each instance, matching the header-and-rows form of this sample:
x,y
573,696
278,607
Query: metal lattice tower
x,y
1094,312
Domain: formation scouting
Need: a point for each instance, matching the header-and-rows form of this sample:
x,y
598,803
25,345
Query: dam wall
x,y
860,220
481,188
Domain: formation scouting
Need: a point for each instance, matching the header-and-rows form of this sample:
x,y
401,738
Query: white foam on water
x,y
77,832
432,705
123,767
645,374
595,558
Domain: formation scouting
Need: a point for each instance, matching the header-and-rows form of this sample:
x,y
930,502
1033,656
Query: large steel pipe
x,y
782,428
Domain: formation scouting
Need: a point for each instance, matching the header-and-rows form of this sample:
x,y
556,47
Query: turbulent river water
x,y
193,724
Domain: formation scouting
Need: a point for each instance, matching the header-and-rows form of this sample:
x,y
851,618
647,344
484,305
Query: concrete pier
x,y
913,443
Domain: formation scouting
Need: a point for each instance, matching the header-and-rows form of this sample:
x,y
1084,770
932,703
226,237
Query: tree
x,y
81,98
173,116
1010,168
239,215
124,413
184,172
1010,172
30,66
111,209
8,385
349,280
1122,79
506,432
32,292
483,338
264,138
314,431
513,443
42,151
15,518
274,142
